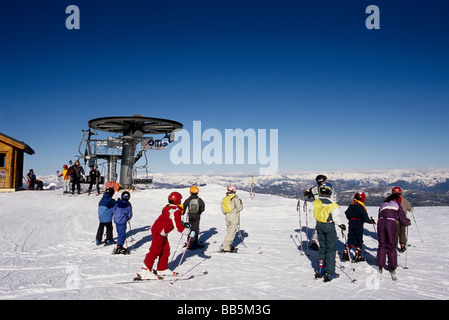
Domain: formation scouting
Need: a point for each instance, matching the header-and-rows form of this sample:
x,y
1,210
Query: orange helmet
x,y
175,197
194,189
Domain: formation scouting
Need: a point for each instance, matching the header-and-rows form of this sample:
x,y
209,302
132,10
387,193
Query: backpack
x,y
320,212
226,203
194,205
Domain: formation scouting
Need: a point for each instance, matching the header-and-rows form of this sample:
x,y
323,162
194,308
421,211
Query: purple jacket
x,y
393,211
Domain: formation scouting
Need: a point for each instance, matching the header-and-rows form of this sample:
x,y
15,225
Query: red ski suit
x,y
164,224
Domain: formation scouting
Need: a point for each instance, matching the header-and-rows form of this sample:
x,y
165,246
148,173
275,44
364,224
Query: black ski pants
x,y
100,231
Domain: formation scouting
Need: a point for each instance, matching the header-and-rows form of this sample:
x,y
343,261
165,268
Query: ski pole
x,y
191,235
413,215
406,250
130,229
349,255
374,226
298,208
307,226
240,233
176,248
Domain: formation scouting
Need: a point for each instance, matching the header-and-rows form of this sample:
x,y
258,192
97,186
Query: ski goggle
x,y
125,197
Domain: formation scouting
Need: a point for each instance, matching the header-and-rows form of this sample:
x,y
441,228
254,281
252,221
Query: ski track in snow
x,y
48,252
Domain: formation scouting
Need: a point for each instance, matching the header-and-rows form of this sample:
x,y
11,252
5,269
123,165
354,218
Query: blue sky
x,y
340,95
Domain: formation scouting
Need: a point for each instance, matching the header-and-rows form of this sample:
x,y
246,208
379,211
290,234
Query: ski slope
x,y
48,252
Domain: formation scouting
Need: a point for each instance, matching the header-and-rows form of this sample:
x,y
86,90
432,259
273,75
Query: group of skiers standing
x,y
170,219
391,226
73,174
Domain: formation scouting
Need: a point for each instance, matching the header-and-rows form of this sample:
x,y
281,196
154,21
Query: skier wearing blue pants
x,y
122,213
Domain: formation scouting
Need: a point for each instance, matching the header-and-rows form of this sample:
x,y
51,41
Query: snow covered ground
x,y
48,252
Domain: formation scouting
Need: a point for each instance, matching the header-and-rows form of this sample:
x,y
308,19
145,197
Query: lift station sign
x,y
152,144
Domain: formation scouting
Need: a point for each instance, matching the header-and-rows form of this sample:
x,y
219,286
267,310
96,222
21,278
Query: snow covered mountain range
x,y
429,187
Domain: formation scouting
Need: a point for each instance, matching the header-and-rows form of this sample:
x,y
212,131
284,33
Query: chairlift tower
x,y
132,130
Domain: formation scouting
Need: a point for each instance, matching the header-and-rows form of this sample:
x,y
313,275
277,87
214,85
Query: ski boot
x,y
164,273
330,276
146,274
393,274
120,250
358,256
232,249
319,273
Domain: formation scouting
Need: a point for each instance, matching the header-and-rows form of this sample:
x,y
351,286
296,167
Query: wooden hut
x,y
11,162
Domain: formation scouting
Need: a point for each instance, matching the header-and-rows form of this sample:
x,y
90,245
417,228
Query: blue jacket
x,y
123,211
105,208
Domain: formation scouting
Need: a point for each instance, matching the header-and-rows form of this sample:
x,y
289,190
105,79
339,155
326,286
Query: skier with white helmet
x,y
314,193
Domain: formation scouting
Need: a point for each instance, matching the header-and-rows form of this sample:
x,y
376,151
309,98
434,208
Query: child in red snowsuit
x,y
160,247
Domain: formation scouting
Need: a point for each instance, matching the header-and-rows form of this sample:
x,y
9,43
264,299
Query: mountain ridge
x,y
427,187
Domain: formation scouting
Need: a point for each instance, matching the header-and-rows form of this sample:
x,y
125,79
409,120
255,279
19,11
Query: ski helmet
x,y
125,196
326,189
175,198
320,179
231,189
194,189
397,190
360,196
65,166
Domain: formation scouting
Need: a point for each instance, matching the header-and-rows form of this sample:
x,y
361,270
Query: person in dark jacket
x,y
357,216
94,178
77,173
105,216
122,213
389,212
195,206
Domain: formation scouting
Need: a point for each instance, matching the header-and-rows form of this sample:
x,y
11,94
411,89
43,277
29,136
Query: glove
x,y
343,227
192,234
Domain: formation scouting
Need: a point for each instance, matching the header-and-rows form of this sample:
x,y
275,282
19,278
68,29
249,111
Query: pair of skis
x,y
171,278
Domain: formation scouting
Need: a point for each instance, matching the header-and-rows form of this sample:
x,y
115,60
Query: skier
x,y
327,214
122,213
66,179
231,206
105,216
78,172
314,193
357,216
401,236
389,212
169,219
94,176
195,207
